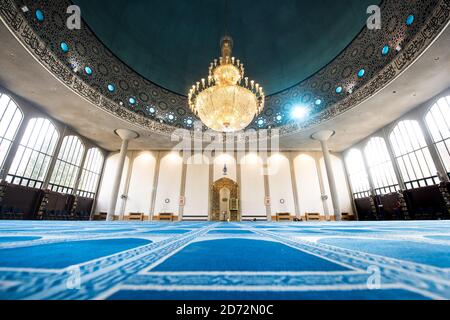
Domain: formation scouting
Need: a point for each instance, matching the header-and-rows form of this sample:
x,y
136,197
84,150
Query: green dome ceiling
x,y
172,42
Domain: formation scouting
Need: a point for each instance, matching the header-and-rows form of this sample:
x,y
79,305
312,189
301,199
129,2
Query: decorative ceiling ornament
x,y
43,41
227,101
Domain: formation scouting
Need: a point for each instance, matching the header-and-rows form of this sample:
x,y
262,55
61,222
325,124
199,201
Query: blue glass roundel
x,y
132,100
151,110
385,50
278,118
318,102
171,117
39,15
339,90
189,121
410,20
64,47
111,87
361,73
260,122
88,70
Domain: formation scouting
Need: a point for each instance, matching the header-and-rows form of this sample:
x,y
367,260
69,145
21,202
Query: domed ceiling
x,y
172,42
136,61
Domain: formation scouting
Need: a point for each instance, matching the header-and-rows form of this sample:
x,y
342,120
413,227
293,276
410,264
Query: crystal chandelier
x,y
227,101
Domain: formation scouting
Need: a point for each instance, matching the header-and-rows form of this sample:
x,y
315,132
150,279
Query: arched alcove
x,y
231,197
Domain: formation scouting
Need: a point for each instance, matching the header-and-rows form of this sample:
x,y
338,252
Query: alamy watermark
x,y
374,279
74,19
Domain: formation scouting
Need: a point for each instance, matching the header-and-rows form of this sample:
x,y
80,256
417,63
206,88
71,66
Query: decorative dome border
x,y
360,71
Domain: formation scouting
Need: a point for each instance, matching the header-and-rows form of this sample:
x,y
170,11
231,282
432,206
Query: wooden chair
x,y
313,217
347,216
135,216
165,216
100,216
284,216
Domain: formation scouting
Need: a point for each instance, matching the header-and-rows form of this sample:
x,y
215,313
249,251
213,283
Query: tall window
x,y
438,122
412,155
90,175
67,165
380,166
35,152
357,174
10,119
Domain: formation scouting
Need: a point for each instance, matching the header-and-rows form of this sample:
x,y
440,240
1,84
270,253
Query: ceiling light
x,y
299,112
226,101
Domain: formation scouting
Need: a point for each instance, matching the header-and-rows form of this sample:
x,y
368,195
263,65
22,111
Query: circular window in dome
x,y
261,122
171,117
88,70
132,100
278,118
410,20
111,87
385,50
39,15
64,47
151,110
339,90
188,122
361,73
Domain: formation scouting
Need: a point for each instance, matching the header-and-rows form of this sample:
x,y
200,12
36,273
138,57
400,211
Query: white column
x,y
126,136
323,137
294,185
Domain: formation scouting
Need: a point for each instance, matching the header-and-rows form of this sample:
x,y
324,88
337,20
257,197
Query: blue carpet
x,y
232,261
229,231
169,231
64,254
14,239
435,255
244,255
446,238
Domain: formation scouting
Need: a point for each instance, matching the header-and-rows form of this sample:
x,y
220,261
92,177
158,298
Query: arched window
x,y
10,119
35,152
412,155
380,166
90,175
67,165
438,122
357,174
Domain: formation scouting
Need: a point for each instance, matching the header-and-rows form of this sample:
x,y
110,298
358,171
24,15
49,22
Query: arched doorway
x,y
225,201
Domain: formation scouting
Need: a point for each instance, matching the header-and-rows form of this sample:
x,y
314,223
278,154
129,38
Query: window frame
x,y
47,154
441,140
358,191
86,170
386,187
67,160
411,181
16,131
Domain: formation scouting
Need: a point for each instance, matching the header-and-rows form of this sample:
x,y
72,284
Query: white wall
x,y
107,183
341,185
280,184
141,184
169,183
197,189
252,187
197,184
308,186
219,162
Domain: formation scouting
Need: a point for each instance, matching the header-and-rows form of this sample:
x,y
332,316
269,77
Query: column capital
x,y
323,135
126,134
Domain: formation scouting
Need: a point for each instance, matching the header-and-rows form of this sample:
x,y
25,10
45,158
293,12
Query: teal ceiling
x,y
172,42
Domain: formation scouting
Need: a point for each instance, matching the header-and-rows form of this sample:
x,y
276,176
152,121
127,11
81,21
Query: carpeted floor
x,y
192,260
